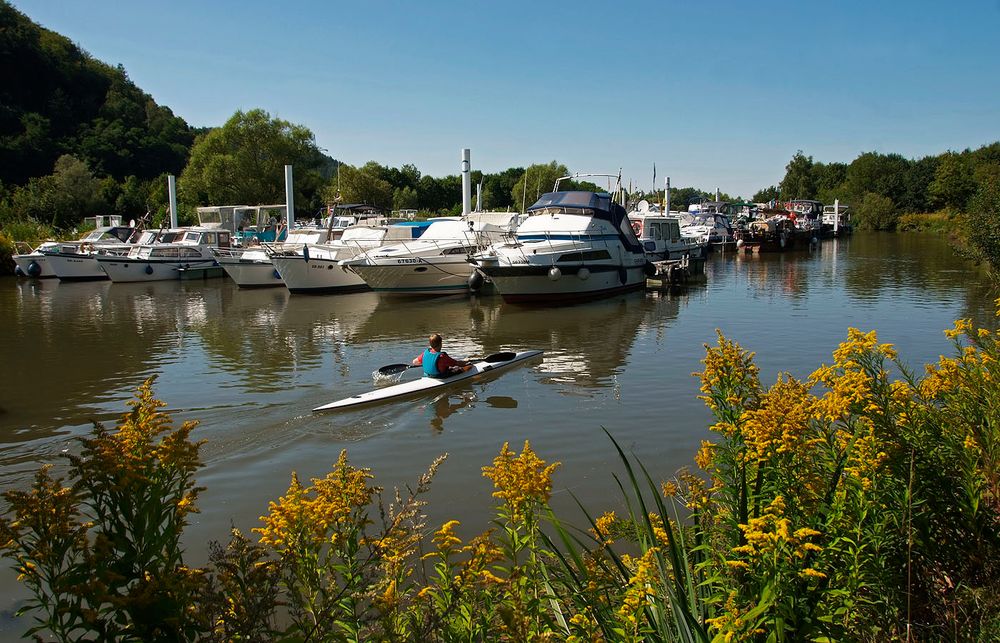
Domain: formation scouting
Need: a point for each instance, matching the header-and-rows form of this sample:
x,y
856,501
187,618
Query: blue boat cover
x,y
602,206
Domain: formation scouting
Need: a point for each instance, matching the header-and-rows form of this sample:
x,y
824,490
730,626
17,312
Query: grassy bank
x,y
853,505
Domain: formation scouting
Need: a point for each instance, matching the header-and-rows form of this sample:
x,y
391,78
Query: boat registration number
x,y
407,261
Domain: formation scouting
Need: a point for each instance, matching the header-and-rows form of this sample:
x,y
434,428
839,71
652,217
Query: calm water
x,y
251,364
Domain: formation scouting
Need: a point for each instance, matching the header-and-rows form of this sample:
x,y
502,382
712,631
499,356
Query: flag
x,y
654,177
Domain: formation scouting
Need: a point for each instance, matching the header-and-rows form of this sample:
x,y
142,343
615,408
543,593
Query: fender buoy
x,y
476,281
275,274
554,273
622,275
305,253
34,269
18,271
149,269
583,273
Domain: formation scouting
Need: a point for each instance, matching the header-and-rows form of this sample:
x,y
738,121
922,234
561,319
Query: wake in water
x,y
382,379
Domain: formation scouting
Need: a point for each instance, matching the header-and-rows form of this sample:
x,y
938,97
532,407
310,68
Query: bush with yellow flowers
x,y
862,503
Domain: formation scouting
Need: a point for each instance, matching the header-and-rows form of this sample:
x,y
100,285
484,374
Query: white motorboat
x,y
708,222
252,266
574,246
75,260
32,262
169,259
437,263
660,234
315,268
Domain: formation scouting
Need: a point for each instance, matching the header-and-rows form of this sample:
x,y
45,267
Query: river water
x,y
249,365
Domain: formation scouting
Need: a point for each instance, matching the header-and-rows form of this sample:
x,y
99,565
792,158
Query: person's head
x,y
435,342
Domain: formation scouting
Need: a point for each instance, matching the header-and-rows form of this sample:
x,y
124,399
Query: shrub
x,y
877,212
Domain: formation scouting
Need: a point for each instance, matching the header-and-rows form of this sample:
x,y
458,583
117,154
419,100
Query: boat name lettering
x,y
407,260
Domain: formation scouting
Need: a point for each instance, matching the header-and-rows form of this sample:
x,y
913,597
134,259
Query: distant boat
x,y
76,260
660,234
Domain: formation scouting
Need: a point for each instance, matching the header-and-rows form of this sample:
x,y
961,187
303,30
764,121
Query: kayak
x,y
489,364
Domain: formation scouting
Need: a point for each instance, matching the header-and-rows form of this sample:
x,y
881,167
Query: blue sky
x,y
717,94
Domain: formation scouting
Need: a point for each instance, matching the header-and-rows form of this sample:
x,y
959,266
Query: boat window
x,y
589,255
656,231
164,252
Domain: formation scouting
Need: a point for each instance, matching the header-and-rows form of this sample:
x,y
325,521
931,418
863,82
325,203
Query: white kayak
x,y
489,364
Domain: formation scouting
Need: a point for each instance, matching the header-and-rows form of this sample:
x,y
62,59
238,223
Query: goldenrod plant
x,y
862,503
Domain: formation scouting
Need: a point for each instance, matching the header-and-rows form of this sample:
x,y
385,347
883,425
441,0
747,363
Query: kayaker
x,y
438,363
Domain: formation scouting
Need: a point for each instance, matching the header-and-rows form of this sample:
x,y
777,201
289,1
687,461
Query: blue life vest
x,y
430,363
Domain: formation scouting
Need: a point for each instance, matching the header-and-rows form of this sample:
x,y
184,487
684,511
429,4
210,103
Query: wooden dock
x,y
675,272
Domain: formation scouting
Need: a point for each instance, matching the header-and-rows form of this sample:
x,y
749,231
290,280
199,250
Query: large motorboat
x,y
75,260
252,266
169,259
437,263
315,268
573,246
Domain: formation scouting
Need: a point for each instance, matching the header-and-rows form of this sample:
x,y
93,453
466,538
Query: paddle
x,y
392,369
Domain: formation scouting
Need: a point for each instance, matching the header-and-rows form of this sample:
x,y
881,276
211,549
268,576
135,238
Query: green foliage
x,y
766,195
876,212
982,229
799,182
942,222
103,557
243,162
536,181
58,100
362,185
953,183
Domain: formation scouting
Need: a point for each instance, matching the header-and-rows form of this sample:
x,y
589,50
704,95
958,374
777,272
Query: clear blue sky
x,y
717,94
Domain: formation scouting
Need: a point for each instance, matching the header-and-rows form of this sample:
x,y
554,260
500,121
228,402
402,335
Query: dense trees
x,y
944,182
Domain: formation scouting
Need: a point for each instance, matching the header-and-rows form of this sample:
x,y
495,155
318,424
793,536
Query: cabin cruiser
x,y
178,251
573,246
807,215
660,234
708,221
252,266
315,267
437,263
75,260
37,263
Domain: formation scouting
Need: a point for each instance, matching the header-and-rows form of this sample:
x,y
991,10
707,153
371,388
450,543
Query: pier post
x,y
289,198
836,216
172,196
466,183
666,197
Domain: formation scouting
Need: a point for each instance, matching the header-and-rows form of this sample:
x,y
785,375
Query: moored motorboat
x,y
167,260
660,234
315,268
438,263
573,246
76,260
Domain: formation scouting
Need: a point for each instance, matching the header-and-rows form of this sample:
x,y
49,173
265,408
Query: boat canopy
x,y
601,207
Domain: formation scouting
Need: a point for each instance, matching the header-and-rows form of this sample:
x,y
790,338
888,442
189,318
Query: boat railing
x,y
549,240
228,253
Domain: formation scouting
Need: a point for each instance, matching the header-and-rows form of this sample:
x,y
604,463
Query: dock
x,y
675,272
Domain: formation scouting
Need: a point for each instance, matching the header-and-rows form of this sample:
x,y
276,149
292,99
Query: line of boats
x,y
568,246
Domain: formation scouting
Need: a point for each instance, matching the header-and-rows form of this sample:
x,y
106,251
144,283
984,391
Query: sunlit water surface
x,y
250,364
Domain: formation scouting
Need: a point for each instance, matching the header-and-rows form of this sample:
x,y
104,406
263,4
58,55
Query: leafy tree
x,y
918,179
363,185
766,195
953,183
536,181
243,162
799,182
498,189
877,212
983,223
882,174
405,199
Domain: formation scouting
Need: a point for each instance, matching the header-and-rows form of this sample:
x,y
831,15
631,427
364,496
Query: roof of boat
x,y
573,199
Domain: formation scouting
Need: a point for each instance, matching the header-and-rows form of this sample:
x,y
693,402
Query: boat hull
x,y
424,385
127,270
418,276
535,285
316,276
251,274
35,265
76,267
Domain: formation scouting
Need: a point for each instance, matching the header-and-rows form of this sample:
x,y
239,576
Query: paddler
x,y
436,362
